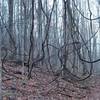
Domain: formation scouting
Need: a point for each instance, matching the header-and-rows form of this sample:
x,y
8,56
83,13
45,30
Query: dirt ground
x,y
45,86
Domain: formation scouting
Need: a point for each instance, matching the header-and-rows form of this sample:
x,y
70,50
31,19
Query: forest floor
x,y
45,86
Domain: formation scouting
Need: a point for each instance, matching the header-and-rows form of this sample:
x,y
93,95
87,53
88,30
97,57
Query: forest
x,y
49,49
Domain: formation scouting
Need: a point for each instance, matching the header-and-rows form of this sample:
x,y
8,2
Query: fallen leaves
x,y
44,86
